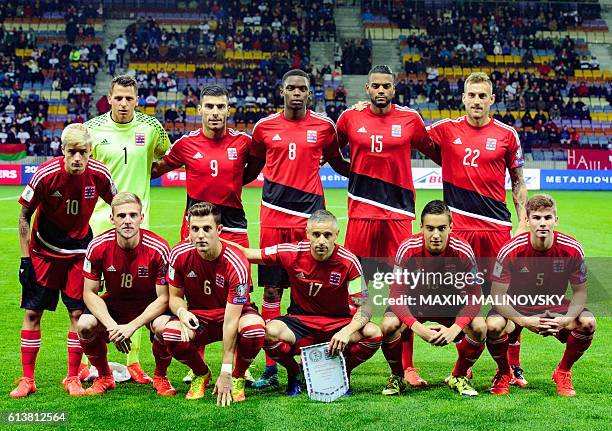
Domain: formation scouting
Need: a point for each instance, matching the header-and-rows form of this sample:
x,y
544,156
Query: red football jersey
x,y
380,184
214,171
317,288
130,276
474,163
457,259
292,187
531,272
209,285
64,205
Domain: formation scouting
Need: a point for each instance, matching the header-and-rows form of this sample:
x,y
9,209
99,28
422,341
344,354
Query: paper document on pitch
x,y
325,375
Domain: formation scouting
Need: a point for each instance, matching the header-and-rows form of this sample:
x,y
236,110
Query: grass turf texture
x,y
131,406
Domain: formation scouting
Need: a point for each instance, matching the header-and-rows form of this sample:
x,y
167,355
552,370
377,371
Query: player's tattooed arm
x,y
25,217
519,196
253,167
160,168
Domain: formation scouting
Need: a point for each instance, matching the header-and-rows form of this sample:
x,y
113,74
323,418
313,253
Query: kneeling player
x,y
541,262
63,192
133,262
435,251
213,277
326,287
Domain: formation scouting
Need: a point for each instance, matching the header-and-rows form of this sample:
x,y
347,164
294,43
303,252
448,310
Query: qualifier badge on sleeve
x,y
325,375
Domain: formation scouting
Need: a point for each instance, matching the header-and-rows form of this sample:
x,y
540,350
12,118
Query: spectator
x,y
121,45
111,58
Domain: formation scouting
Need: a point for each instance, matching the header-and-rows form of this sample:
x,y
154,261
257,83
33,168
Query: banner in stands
x,y
565,179
431,178
424,178
580,158
10,174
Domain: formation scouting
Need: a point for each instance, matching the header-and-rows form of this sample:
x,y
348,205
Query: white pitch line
x,y
10,198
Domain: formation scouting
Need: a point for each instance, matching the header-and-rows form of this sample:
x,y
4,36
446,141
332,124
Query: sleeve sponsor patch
x,y
28,193
87,266
497,270
171,273
239,300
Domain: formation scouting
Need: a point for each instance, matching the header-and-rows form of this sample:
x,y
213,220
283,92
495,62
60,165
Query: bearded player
x,y
381,196
63,193
540,262
291,145
328,300
477,151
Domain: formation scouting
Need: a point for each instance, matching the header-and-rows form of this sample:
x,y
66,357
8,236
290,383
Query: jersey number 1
x,y
125,155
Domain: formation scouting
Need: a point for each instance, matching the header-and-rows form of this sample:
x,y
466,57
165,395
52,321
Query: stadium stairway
x,y
354,85
112,29
386,52
322,53
348,22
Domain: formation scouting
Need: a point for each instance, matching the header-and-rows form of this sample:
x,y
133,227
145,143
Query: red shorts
x,y
276,276
486,244
59,274
211,324
309,330
121,314
376,238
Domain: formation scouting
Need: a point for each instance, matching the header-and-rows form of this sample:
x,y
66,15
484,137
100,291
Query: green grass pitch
x,y
131,406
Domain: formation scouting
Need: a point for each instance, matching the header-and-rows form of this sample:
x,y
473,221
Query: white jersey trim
x,y
480,217
378,204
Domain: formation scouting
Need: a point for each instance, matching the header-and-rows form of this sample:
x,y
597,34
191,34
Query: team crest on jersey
x,y
232,154
334,278
90,192
558,265
143,271
219,280
139,139
311,136
491,144
396,130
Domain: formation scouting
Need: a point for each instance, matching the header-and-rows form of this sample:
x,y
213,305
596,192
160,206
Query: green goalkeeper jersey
x,y
128,150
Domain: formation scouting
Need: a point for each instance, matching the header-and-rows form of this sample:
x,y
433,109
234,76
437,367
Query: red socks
x,y
75,354
250,341
282,352
407,349
162,358
577,344
498,348
96,351
514,348
393,354
469,351
360,352
30,345
270,309
184,351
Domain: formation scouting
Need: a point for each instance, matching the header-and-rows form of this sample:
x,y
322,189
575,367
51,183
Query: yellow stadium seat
x,y
61,110
52,110
579,73
248,55
257,55
435,114
490,58
149,110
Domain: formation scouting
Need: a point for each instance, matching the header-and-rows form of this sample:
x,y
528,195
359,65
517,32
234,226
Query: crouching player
x,y
133,263
433,253
540,262
214,280
63,192
328,296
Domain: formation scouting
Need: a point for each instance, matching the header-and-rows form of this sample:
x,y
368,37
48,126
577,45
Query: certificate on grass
x,y
325,375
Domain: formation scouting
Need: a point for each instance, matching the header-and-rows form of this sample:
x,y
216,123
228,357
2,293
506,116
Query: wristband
x,y
226,368
178,312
